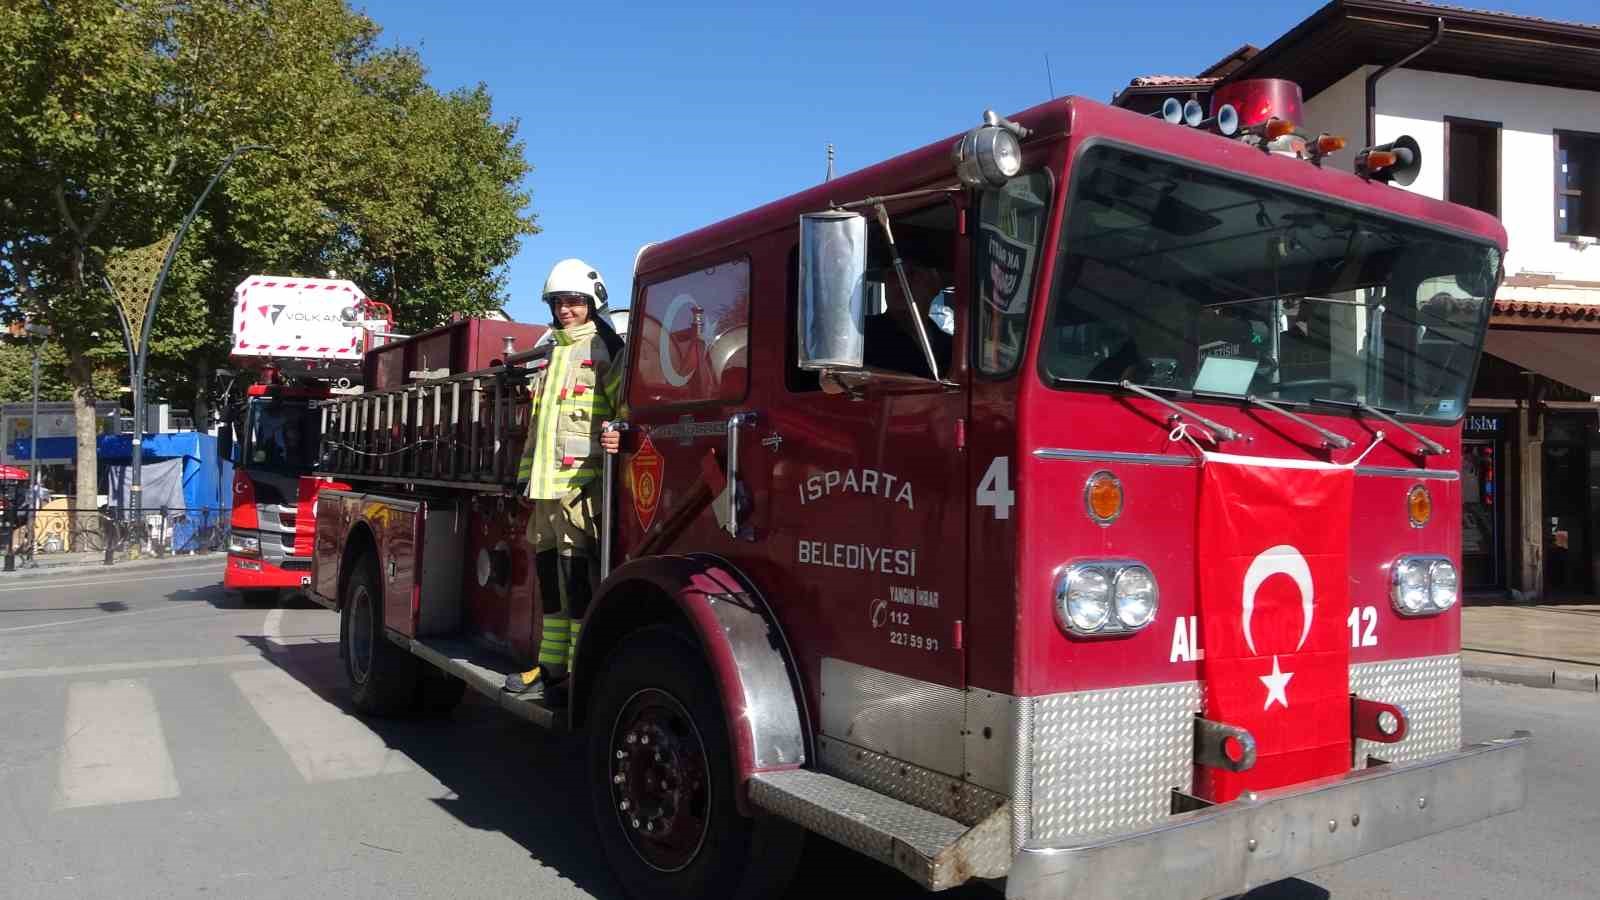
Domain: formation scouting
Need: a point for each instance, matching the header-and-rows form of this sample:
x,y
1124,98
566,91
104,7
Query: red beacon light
x,y
1260,100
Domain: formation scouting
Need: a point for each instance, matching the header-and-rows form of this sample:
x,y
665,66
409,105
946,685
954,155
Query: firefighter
x,y
573,395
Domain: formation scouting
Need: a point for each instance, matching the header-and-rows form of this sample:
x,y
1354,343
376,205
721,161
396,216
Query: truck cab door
x,y
865,515
688,347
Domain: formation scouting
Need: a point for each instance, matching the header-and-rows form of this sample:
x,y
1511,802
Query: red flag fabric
x,y
1273,545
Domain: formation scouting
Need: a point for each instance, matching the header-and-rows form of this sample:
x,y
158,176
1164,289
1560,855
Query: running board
x,y
934,851
485,672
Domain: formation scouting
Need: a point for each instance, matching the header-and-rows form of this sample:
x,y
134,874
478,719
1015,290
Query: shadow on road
x,y
509,777
1289,889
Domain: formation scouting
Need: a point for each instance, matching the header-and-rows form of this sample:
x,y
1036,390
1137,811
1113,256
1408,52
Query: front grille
x,y
297,565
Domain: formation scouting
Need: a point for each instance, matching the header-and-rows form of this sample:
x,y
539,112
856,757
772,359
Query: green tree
x,y
113,116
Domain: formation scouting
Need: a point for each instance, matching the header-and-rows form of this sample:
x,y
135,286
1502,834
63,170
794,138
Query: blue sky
x,y
643,121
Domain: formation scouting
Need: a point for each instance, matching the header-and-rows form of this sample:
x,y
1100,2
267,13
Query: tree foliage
x,y
114,116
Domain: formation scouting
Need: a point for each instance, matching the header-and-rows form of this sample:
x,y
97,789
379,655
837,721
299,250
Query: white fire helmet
x,y
574,276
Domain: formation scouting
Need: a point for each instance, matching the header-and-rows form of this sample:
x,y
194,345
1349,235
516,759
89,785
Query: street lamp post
x,y
37,334
137,360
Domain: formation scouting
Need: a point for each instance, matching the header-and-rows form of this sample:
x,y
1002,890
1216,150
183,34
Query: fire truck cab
x,y
301,339
913,541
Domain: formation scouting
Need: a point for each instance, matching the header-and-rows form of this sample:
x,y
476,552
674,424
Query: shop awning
x,y
1550,328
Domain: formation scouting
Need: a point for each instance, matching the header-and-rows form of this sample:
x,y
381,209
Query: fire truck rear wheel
x,y
383,677
662,779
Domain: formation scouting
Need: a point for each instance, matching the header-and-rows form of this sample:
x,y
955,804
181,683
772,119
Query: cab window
x,y
691,337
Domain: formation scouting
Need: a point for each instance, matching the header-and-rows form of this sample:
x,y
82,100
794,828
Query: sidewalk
x,y
1542,646
63,563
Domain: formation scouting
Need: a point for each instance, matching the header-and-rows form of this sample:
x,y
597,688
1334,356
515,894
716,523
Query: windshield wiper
x,y
1222,432
1330,439
1428,447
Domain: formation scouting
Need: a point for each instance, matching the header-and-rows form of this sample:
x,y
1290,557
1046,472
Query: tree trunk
x,y
88,463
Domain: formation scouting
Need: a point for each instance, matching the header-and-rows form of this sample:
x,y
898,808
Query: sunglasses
x,y
568,300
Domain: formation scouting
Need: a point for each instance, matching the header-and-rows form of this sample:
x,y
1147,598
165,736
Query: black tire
x,y
438,692
656,684
383,677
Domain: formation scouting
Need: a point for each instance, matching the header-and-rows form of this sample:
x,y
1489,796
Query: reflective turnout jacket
x,y
572,391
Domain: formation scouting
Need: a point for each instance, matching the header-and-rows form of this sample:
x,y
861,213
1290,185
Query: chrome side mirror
x,y
833,266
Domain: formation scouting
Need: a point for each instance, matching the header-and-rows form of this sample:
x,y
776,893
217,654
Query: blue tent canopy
x,y
207,477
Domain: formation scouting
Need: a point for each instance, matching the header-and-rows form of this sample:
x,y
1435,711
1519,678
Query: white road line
x,y
131,578
97,668
324,743
272,630
103,617
114,750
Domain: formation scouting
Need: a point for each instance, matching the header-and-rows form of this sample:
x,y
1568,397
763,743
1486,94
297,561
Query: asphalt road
x,y
160,740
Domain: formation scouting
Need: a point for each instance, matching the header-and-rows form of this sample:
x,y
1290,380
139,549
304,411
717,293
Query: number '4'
x,y
994,489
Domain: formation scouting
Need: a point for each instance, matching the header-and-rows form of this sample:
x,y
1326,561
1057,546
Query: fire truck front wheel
x,y
662,779
383,677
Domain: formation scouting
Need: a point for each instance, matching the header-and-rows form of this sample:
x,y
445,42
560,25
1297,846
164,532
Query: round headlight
x,y
987,156
1411,585
1084,599
1442,583
1135,595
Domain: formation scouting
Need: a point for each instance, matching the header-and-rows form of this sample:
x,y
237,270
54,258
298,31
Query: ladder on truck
x,y
461,431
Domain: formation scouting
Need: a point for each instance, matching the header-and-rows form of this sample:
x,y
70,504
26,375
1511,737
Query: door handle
x,y
736,422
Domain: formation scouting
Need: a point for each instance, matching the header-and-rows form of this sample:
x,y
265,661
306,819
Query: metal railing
x,y
38,534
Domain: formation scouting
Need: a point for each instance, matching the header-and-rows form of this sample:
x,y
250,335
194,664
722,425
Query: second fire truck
x,y
1073,501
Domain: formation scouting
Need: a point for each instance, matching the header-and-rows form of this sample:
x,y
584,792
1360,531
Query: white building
x,y
1506,110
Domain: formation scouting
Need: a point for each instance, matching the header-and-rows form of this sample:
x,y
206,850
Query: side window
x,y
926,240
691,337
1011,223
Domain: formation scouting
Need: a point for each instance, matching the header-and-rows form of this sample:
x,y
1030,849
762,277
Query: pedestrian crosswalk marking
x,y
113,747
324,742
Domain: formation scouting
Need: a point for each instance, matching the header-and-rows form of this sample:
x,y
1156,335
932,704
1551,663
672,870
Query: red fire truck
x,y
302,338
1073,501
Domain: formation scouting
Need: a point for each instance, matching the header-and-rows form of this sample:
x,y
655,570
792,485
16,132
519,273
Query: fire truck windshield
x,y
280,435
1187,279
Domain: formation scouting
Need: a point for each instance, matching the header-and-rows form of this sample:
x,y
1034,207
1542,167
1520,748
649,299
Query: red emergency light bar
x,y
1259,100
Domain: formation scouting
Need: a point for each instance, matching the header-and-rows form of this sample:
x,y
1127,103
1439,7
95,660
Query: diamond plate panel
x,y
1428,688
892,832
1109,760
943,794
906,718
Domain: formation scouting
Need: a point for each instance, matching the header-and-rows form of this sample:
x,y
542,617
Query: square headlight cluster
x,y
1423,585
1105,598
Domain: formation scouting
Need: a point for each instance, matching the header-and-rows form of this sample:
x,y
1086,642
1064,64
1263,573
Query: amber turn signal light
x,y
1419,506
1277,128
1329,143
1102,497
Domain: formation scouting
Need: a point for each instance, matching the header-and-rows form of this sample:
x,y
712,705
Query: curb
x,y
146,562
1588,683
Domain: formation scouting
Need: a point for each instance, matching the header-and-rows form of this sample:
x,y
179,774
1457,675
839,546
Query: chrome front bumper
x,y
1233,847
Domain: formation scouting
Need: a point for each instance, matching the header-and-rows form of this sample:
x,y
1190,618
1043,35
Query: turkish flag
x,y
1274,545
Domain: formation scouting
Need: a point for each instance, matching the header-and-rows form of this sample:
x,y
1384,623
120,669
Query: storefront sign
x,y
1481,425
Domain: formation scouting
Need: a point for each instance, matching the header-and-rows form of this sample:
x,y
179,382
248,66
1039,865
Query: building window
x,y
1472,164
1577,185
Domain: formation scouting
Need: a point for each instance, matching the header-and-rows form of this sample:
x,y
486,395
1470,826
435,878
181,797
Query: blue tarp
x,y
207,478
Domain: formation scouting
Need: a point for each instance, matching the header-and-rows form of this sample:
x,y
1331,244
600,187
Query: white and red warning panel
x,y
279,317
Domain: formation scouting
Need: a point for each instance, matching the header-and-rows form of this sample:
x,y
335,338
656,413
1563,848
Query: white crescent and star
x,y
1279,560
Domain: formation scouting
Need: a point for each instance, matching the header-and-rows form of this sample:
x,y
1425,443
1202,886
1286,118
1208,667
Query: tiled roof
x,y
1172,81
1530,309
